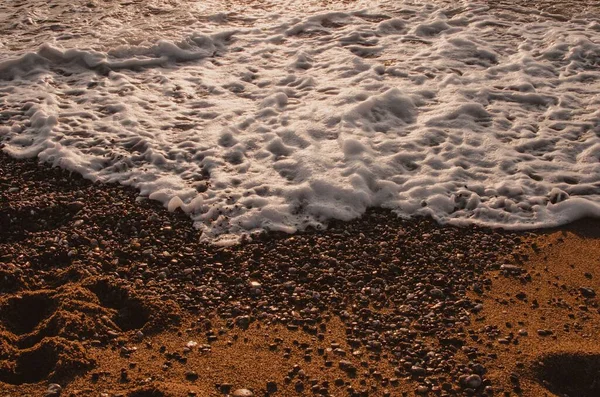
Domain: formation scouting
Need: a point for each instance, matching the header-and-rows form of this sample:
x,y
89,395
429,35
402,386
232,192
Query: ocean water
x,y
254,115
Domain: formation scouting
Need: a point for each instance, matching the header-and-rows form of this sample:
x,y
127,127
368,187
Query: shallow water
x,y
250,115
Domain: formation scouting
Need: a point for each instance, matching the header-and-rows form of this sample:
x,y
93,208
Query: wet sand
x,y
105,294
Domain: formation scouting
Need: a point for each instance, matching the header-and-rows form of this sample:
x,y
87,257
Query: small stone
x,y
191,375
587,292
417,371
339,352
243,322
347,366
473,381
511,268
242,393
53,390
271,387
76,206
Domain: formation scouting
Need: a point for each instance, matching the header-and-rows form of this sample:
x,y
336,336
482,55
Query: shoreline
x,y
378,305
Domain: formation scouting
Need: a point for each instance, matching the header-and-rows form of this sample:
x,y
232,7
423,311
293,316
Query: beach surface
x,y
105,294
335,198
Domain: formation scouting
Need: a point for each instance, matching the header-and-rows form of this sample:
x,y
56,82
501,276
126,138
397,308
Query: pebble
x,y
479,369
347,366
53,390
271,387
417,371
76,206
511,269
473,381
242,393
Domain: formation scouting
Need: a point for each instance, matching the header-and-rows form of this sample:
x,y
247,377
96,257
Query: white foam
x,y
281,120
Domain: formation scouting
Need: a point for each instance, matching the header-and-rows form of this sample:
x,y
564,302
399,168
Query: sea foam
x,y
283,120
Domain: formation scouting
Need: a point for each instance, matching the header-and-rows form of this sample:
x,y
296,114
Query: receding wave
x,y
464,114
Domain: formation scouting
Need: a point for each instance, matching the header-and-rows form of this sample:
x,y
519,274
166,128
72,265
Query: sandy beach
x,y
374,307
220,120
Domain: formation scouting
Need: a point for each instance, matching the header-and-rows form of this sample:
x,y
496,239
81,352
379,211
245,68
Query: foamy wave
x,y
193,48
464,114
